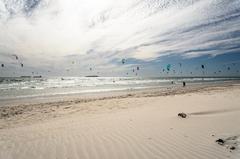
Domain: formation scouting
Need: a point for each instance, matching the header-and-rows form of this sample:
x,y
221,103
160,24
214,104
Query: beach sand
x,y
136,125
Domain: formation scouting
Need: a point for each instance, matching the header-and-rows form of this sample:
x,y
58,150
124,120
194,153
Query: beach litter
x,y
230,143
220,141
232,148
182,115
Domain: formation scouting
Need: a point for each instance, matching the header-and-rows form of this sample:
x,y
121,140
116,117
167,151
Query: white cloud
x,y
142,29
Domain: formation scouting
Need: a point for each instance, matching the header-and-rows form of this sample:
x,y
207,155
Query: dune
x,y
127,128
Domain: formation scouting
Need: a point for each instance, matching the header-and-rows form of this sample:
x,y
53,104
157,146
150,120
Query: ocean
x,y
27,87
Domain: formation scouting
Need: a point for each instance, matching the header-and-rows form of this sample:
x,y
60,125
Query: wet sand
x,y
140,124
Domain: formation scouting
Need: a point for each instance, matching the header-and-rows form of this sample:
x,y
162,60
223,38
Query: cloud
x,y
47,32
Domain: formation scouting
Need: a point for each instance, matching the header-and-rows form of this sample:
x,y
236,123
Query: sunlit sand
x,y
137,125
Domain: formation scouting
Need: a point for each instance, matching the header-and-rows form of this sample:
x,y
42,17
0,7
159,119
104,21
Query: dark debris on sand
x,y
182,115
232,148
230,142
220,141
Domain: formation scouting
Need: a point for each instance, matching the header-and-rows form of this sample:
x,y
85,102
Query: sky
x,y
86,37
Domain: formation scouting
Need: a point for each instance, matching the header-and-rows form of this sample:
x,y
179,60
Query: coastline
x,y
136,124
55,89
14,110
96,95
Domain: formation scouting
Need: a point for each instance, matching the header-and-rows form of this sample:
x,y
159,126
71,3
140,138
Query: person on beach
x,y
184,84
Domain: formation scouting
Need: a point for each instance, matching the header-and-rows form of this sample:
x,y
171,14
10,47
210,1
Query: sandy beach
x,y
128,79
142,124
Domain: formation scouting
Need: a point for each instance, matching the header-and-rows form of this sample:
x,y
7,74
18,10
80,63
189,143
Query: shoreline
x,y
50,109
95,95
55,96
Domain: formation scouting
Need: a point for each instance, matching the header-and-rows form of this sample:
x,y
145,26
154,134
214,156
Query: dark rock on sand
x,y
232,148
182,115
230,143
220,141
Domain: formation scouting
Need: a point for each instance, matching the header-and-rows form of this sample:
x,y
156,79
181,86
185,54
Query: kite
x,y
2,65
168,67
15,56
123,61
